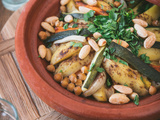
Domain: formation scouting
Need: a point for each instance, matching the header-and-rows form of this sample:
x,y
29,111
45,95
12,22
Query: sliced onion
x,y
97,84
71,38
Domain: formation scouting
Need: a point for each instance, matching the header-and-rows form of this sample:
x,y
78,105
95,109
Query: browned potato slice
x,y
123,74
73,64
103,5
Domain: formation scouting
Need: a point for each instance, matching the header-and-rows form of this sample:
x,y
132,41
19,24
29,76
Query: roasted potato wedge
x,y
123,74
146,82
150,15
71,7
100,95
73,64
54,47
104,6
63,52
152,53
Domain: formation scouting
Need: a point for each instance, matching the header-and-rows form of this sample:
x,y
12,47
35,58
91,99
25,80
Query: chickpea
x,y
42,35
64,83
78,83
133,95
70,87
102,42
63,8
116,4
77,90
50,68
82,76
48,34
92,2
152,90
61,24
57,23
96,35
58,77
156,23
73,78
64,2
84,69
68,19
66,79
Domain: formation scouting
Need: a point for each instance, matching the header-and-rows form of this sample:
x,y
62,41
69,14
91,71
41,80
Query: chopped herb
x,y
75,20
112,50
89,15
100,69
39,56
91,67
132,1
65,26
125,84
108,83
136,100
123,62
61,71
74,25
72,43
141,78
76,44
92,28
79,30
145,58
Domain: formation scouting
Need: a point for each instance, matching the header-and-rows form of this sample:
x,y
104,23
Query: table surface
x,y
12,84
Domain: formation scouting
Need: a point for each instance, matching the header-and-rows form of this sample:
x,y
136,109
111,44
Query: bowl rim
x,y
67,106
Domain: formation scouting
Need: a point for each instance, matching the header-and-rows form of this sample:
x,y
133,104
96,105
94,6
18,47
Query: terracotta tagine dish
x,y
49,91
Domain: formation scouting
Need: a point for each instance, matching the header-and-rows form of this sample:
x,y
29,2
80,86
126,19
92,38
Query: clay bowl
x,y
42,83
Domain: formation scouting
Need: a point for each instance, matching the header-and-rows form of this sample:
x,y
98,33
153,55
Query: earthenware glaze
x,y
42,83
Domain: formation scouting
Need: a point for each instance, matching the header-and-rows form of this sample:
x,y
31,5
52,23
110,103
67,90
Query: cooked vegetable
x,y
109,91
96,9
152,53
146,82
54,47
75,15
63,52
61,29
156,45
132,5
61,35
97,84
104,5
151,14
156,31
156,67
109,1
96,62
68,66
71,7
123,74
71,38
139,65
100,95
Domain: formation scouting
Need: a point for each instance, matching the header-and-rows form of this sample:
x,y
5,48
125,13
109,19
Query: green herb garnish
x,y
91,67
89,15
108,83
79,30
100,69
61,71
39,56
76,44
141,78
75,20
123,62
74,25
145,58
65,26
125,84
136,100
